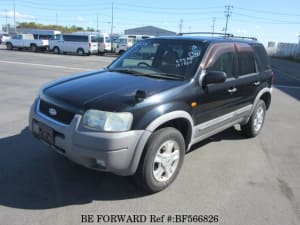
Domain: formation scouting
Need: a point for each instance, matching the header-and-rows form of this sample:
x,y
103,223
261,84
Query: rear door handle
x,y
256,83
232,90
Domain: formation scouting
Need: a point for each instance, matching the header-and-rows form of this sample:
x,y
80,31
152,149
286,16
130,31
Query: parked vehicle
x,y
26,41
81,44
4,38
104,43
43,34
123,43
144,112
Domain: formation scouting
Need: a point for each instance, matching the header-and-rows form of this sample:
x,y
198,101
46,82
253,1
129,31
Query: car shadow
x,y
32,176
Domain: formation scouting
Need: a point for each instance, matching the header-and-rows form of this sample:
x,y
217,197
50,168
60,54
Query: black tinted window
x,y
76,38
224,63
159,56
263,57
246,63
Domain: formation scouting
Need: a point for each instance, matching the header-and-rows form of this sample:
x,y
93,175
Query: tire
x,y
56,50
121,52
161,161
80,52
33,47
256,121
9,46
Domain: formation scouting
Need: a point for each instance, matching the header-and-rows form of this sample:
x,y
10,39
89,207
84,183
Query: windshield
x,y
160,57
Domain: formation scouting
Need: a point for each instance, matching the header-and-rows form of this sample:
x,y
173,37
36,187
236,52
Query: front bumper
x,y
118,153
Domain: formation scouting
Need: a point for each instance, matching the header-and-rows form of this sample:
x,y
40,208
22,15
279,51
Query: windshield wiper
x,y
120,70
157,75
170,76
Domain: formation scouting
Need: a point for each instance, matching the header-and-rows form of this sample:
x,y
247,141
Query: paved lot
x,y
244,181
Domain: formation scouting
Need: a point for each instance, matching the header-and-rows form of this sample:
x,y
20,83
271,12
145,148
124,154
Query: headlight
x,y
107,121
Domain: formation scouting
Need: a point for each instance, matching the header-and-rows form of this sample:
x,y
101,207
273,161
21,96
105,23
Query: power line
x,y
267,12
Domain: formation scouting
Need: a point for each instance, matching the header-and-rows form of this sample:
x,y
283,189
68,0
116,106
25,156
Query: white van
x,y
123,43
81,44
104,43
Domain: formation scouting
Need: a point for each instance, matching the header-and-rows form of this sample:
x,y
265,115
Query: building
x,y
148,30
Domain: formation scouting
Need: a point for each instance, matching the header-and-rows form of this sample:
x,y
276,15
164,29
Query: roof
x,y
148,30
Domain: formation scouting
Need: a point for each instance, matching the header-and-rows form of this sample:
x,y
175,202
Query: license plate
x,y
46,133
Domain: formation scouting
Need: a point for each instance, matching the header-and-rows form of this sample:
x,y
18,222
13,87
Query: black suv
x,y
141,114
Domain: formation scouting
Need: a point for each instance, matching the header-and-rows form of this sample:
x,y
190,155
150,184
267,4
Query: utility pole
x,y
56,20
213,24
97,23
112,19
15,16
180,26
6,24
227,15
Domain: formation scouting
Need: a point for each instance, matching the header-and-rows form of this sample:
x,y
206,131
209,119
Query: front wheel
x,y
162,159
9,46
56,50
256,121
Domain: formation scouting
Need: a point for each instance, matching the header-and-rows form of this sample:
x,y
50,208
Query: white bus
x,y
81,44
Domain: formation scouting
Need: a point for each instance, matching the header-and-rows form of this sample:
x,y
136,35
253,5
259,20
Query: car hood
x,y
110,91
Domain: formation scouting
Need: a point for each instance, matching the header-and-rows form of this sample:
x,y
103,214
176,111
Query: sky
x,y
267,20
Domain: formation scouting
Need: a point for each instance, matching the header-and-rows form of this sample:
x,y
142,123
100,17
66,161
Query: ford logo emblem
x,y
52,112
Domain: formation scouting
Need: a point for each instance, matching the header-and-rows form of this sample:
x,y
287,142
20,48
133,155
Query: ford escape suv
x,y
141,114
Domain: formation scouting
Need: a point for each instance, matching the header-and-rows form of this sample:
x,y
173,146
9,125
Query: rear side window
x,y
262,55
94,39
75,38
224,63
247,64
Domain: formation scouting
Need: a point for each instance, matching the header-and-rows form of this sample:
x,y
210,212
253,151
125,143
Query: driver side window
x,y
224,63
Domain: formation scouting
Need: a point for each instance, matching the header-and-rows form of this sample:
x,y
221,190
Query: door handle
x,y
256,83
232,90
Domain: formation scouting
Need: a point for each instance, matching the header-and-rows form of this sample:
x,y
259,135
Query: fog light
x,y
100,163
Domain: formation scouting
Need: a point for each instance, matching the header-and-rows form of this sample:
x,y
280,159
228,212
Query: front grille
x,y
62,115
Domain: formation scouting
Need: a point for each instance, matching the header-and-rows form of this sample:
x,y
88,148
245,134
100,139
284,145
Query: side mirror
x,y
214,77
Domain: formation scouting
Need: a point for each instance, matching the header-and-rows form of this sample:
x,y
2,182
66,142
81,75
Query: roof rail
x,y
220,34
252,38
213,33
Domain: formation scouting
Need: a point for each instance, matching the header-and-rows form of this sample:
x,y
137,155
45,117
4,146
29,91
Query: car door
x,y
217,101
248,76
18,40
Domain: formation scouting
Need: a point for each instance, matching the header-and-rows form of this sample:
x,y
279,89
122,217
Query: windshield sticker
x,y
192,54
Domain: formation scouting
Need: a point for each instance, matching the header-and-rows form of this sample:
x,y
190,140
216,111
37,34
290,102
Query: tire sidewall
x,y
153,145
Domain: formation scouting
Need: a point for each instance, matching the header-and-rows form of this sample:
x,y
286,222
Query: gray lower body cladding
x,y
118,153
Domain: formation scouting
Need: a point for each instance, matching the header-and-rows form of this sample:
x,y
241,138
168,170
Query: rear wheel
x,y
161,161
9,46
256,121
33,47
80,52
56,50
